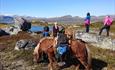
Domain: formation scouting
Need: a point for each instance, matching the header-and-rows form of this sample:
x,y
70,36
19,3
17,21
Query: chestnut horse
x,y
79,50
46,45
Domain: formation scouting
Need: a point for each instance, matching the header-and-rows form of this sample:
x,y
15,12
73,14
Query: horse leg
x,y
89,58
84,63
50,65
54,59
36,57
77,67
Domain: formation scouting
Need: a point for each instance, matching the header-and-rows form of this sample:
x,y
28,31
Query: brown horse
x,y
46,45
79,50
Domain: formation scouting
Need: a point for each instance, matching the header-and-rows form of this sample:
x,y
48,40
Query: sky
x,y
56,8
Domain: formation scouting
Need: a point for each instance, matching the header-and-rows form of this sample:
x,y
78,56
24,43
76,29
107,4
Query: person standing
x,y
107,23
55,29
87,22
46,30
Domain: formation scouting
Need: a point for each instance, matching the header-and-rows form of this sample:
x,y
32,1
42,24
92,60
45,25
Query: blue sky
x,y
55,8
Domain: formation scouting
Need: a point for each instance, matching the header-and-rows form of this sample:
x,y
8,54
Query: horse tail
x,y
36,49
89,58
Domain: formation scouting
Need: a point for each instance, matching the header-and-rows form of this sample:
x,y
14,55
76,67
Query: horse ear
x,y
73,34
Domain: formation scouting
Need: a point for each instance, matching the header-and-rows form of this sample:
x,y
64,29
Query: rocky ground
x,y
11,59
101,41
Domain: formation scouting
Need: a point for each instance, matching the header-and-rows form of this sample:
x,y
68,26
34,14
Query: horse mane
x,y
45,38
81,40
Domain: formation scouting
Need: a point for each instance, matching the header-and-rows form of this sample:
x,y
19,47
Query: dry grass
x,y
3,25
101,58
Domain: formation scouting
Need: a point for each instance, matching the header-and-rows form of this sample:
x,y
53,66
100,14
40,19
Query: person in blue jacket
x,y
46,30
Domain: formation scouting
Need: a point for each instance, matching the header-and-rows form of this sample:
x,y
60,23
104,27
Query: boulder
x,y
96,40
12,30
3,32
22,23
25,44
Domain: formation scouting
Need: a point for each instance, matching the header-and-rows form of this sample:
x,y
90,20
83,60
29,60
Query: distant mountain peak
x,y
67,16
64,19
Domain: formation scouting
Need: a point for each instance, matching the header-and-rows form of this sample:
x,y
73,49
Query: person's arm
x,y
53,29
57,29
104,22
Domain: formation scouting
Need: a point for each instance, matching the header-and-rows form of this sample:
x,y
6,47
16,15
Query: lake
x,y
38,28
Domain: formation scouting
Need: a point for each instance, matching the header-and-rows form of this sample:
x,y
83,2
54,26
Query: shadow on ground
x,y
96,64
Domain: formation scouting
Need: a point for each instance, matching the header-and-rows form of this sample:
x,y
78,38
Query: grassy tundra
x,y
23,60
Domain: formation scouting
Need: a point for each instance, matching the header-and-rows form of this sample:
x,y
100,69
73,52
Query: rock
x,y
3,32
20,24
96,40
20,44
25,25
31,44
25,44
12,30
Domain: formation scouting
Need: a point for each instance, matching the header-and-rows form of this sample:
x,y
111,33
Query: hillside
x,y
67,19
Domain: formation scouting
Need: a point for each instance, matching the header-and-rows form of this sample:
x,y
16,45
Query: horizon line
x,y
54,16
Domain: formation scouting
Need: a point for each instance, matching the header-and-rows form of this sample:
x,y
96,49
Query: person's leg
x,y
43,34
47,34
108,28
101,30
87,28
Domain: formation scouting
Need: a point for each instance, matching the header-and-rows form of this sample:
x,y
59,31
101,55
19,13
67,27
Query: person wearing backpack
x,y
87,22
107,23
46,30
62,47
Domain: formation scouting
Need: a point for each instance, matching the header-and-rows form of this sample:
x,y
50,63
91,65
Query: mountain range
x,y
63,19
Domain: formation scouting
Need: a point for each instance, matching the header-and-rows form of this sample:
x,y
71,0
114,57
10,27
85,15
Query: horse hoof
x,y
34,60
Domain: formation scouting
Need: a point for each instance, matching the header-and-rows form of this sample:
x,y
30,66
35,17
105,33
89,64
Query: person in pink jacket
x,y
87,22
107,23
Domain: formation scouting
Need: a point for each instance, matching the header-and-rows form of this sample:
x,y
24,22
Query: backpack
x,y
61,49
46,28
